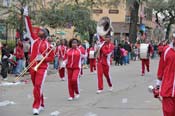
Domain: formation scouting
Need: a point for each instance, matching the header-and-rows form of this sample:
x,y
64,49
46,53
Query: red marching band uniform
x,y
92,60
38,48
83,51
166,80
103,64
61,52
73,65
146,61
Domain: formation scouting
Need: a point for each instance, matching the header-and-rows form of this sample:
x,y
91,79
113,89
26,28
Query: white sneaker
x,y
77,96
95,72
63,79
99,91
110,88
5,79
70,99
35,111
41,108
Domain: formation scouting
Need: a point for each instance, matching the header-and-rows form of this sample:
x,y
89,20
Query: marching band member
x,y
4,59
83,51
39,50
145,52
166,79
73,65
104,52
92,59
61,52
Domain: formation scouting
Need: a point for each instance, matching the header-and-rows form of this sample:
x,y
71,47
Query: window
x,y
97,11
127,19
113,11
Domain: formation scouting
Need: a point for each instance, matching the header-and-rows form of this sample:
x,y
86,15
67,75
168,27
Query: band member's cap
x,y
46,31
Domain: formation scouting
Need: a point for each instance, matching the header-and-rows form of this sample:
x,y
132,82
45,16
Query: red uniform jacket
x,y
19,52
105,53
166,72
38,46
61,52
82,49
73,58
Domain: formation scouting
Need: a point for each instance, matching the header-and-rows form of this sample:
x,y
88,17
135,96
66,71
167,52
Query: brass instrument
x,y
104,28
30,65
36,67
97,51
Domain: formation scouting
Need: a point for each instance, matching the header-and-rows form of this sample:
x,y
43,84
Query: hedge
x,y
11,44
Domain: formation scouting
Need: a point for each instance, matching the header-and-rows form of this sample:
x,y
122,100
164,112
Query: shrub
x,y
11,44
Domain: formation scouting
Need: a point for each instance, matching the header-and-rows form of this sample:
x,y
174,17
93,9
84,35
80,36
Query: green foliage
x,y
165,9
59,16
11,44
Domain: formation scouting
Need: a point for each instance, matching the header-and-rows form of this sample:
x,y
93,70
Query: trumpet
x,y
28,67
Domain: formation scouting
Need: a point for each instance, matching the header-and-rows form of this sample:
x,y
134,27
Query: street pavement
x,y
130,96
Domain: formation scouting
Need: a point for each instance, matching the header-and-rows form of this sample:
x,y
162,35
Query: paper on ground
x,y
6,102
55,113
90,114
124,100
10,83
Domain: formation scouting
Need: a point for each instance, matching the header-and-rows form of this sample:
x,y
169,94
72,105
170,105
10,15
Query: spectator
x,y
117,55
26,47
19,53
127,47
5,65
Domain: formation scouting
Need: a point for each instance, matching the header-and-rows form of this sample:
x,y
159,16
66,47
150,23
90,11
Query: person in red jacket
x,y
19,54
92,59
39,49
83,51
61,52
103,63
166,78
73,65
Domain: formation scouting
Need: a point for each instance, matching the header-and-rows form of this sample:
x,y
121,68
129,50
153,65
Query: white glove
x,y
158,82
26,11
39,57
4,57
99,45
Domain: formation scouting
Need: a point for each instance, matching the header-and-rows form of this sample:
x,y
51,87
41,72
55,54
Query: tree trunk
x,y
133,22
168,30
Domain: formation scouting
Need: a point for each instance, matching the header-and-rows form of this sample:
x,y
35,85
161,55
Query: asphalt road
x,y
130,96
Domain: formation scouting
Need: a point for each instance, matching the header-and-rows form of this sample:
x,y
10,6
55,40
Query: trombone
x,y
36,67
32,63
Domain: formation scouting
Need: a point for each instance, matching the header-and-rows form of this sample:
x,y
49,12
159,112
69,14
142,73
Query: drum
x,y
62,63
144,51
91,54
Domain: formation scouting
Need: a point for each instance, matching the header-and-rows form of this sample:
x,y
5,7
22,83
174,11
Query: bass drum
x,y
144,51
91,54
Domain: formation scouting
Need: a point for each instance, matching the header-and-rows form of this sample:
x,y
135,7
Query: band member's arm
x,y
28,24
51,55
106,49
64,63
83,52
161,66
150,49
